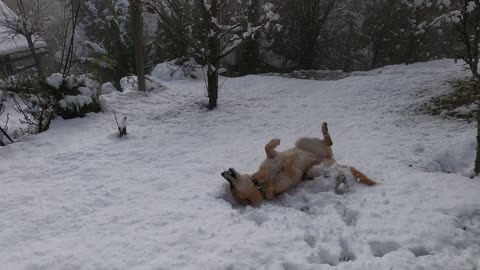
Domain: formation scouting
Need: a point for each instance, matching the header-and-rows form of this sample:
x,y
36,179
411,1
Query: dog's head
x,y
242,187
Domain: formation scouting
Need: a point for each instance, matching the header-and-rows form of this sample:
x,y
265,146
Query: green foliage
x,y
107,27
71,102
173,38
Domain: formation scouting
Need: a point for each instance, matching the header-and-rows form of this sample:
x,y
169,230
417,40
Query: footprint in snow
x,y
379,248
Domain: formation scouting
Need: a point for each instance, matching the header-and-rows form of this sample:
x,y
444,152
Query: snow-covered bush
x,y
32,100
41,99
178,69
75,95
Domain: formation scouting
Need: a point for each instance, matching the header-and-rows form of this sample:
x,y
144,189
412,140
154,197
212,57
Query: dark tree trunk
x,y
212,79
477,159
137,27
374,59
213,59
36,58
307,56
249,61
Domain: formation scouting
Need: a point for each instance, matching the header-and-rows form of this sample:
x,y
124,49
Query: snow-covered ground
x,y
78,197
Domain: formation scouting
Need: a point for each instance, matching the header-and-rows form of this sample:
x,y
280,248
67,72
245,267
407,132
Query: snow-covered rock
x,y
108,88
177,70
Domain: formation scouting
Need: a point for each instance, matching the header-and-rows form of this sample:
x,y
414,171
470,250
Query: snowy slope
x,y
78,197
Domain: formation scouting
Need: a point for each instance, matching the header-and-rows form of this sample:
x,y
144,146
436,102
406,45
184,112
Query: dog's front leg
x,y
270,148
268,187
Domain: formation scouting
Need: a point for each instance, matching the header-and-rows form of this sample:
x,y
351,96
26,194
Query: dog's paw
x,y
325,128
341,184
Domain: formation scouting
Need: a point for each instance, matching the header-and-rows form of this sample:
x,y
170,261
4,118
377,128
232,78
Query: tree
x,y
28,21
249,60
107,46
137,29
173,35
465,18
303,23
219,27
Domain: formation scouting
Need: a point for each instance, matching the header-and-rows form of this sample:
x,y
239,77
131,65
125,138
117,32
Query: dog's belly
x,y
282,183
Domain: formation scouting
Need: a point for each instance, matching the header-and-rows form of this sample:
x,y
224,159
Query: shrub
x,y
75,95
41,99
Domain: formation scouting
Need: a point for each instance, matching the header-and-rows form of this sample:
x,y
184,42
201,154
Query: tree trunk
x,y
212,79
213,60
137,27
307,56
36,58
249,62
374,59
477,159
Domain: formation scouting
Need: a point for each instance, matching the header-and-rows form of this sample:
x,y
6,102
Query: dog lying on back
x,y
283,170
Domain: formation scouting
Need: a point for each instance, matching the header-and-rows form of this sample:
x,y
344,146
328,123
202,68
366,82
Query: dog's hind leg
x,y
270,148
326,135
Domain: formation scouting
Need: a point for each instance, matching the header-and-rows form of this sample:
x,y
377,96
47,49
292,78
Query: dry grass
x,y
459,103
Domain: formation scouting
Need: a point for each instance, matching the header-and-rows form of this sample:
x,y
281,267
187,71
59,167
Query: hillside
x,y
78,197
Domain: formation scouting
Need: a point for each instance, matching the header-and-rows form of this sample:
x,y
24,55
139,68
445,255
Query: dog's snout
x,y
228,176
233,172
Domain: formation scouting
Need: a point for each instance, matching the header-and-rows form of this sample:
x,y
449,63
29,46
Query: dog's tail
x,y
360,177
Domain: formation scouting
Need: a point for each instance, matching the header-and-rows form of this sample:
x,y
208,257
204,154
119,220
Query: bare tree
x,y
222,26
68,43
466,20
28,21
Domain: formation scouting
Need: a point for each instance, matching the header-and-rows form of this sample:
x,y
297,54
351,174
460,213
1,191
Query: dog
x,y
282,170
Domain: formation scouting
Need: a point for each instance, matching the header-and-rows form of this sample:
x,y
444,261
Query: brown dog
x,y
283,170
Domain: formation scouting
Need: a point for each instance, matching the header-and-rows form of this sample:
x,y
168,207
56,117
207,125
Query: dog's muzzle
x,y
230,175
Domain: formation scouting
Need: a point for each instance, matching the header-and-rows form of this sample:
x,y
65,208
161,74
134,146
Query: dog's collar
x,y
260,188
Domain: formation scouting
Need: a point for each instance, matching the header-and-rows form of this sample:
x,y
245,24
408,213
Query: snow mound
x,y
130,84
446,159
107,88
177,70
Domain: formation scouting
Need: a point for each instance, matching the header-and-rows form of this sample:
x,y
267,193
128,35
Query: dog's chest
x,y
274,167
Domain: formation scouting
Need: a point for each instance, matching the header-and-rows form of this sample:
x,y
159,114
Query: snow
x,y
471,6
169,71
108,88
79,197
55,80
129,84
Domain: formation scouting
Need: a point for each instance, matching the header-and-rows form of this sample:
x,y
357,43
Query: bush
x,y
41,99
75,95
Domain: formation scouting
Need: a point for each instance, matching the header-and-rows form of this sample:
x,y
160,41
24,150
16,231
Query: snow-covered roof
x,y
11,43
